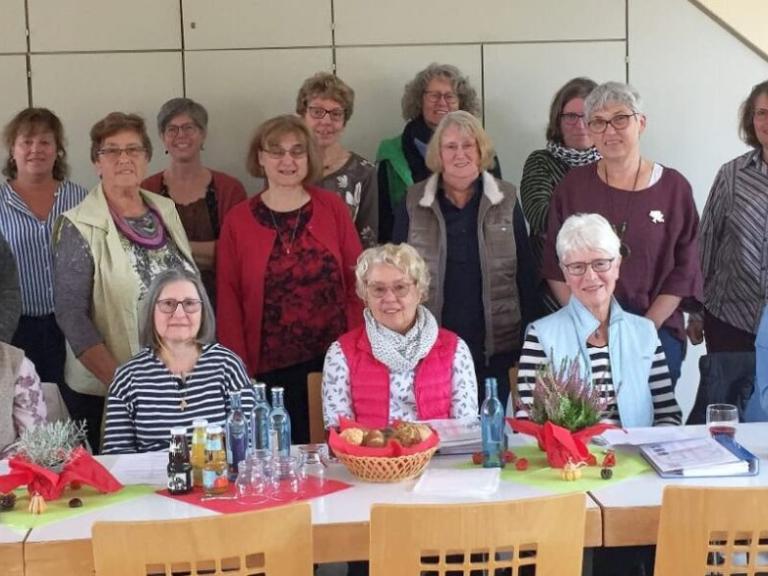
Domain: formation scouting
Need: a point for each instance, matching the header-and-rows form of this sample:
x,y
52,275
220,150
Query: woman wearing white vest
x,y
400,364
108,249
620,352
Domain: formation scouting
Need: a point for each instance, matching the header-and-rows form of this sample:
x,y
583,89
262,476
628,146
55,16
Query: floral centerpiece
x,y
564,415
50,457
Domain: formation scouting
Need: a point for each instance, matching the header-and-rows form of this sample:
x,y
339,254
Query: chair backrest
x,y
720,531
315,403
463,539
269,542
54,403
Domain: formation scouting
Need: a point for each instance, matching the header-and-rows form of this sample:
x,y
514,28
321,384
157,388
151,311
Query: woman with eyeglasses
x,y
470,230
569,144
202,196
180,375
400,365
285,267
107,251
650,207
433,93
326,104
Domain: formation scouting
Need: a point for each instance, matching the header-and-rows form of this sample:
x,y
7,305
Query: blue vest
x,y
632,342
757,407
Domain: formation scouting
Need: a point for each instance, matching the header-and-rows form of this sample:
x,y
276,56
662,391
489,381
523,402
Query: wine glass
x,y
722,419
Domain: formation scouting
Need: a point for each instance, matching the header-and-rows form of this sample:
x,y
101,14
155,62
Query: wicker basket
x,y
387,469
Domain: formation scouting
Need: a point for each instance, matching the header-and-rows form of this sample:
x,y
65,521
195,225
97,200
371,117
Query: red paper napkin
x,y
560,444
390,450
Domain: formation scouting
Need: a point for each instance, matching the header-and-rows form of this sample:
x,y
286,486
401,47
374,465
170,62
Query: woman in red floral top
x,y
285,268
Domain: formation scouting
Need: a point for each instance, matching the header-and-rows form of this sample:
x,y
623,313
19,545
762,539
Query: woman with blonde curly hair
x,y
433,93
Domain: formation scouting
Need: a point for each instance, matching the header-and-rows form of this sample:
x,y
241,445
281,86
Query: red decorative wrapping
x,y
560,444
81,468
391,449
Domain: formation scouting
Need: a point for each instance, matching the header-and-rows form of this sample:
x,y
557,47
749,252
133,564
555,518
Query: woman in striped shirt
x,y
620,352
36,192
180,375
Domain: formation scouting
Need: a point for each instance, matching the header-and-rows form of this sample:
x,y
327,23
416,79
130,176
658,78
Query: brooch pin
x,y
657,216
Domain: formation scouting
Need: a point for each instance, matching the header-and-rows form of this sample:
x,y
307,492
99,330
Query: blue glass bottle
x,y
260,418
279,425
492,424
237,434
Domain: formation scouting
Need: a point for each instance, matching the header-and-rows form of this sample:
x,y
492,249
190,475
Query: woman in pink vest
x,y
399,365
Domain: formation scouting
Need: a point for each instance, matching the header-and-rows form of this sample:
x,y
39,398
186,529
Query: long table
x,y
340,521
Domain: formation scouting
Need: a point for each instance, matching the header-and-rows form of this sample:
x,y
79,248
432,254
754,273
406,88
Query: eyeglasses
x,y
173,130
619,122
454,147
378,291
113,152
580,268
318,113
433,97
294,152
571,118
169,305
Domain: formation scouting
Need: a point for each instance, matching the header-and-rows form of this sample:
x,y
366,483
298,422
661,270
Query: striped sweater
x,y
665,408
145,399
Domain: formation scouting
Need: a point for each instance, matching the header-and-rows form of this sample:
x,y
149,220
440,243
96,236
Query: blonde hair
x,y
467,124
404,257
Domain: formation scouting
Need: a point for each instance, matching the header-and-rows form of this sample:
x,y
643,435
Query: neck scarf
x,y
401,352
416,136
573,157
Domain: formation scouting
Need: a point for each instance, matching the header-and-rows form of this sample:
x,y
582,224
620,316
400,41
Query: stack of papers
x,y
701,456
458,436
143,468
476,482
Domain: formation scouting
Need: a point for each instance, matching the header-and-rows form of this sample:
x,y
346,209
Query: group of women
x,y
117,286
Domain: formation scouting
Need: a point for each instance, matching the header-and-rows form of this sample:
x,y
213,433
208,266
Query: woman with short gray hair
x,y
181,375
651,209
203,196
433,93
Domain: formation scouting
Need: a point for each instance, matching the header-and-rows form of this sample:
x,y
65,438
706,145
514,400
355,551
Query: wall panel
x,y
242,88
12,26
210,24
103,83
13,96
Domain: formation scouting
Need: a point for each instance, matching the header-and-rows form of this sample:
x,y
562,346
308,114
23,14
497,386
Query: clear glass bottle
x,y
279,425
260,418
492,425
179,468
215,479
237,434
197,458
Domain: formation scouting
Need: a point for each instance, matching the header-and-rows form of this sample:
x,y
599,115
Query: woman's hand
x,y
695,329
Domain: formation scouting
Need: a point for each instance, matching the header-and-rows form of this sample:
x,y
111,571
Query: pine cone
x,y
7,501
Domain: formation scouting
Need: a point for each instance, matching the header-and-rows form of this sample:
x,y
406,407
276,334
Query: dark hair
x,y
575,88
35,121
115,122
747,114
177,106
269,133
326,85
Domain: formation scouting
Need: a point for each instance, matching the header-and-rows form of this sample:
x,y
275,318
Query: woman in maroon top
x,y
651,209
202,196
285,268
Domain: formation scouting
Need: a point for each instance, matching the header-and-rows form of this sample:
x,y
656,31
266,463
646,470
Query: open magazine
x,y
701,456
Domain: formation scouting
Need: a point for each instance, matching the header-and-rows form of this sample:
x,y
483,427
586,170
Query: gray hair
x,y
404,257
148,336
587,232
414,90
176,106
612,93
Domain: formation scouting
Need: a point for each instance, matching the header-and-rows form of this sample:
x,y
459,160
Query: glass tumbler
x,y
313,463
243,487
285,478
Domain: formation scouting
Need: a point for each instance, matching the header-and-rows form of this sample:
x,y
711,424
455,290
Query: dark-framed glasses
x,y
434,96
619,122
580,268
174,130
114,152
399,289
571,118
295,152
318,113
169,305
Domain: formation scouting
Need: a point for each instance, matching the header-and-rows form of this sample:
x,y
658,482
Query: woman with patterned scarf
x,y
569,144
399,364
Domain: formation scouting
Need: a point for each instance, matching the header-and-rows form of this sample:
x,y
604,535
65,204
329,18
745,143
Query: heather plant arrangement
x,y
51,445
565,398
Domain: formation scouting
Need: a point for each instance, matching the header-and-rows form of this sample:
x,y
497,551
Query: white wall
x,y
244,60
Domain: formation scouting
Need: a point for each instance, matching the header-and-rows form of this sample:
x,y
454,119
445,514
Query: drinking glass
x,y
243,487
313,464
722,419
285,479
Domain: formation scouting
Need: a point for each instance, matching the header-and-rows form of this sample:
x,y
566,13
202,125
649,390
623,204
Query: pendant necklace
x,y
286,246
181,382
621,227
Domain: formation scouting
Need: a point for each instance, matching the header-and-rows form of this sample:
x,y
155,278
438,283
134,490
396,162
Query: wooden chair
x,y
544,536
266,543
720,531
315,403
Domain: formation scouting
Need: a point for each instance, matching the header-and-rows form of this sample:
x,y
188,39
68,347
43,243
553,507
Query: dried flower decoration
x,y
565,397
50,445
